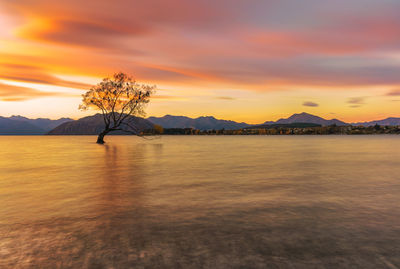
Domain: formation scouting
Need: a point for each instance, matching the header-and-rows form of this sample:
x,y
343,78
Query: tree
x,y
158,129
119,98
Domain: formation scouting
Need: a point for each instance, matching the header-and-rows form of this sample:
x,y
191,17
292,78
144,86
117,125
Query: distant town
x,y
283,129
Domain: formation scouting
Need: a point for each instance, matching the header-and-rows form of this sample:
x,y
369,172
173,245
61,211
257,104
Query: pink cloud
x,y
210,42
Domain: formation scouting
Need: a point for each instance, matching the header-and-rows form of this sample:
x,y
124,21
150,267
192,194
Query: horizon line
x,y
147,117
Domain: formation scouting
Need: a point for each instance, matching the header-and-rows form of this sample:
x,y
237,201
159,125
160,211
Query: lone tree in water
x,y
119,98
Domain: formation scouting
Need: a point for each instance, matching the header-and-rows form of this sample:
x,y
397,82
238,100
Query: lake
x,y
200,202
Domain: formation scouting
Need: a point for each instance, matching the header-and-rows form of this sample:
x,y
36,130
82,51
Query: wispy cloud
x,y
34,74
395,92
168,97
225,98
258,46
356,100
10,93
198,35
311,104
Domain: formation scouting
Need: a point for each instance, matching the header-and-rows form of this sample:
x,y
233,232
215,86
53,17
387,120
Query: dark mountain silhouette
x,y
93,125
45,124
284,125
385,122
209,123
18,125
307,118
201,123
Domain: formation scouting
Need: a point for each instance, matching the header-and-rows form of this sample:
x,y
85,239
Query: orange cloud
x,y
96,34
395,92
14,93
225,98
33,74
253,46
198,42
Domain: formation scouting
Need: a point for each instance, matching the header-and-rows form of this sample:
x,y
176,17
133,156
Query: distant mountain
x,y
18,125
209,123
93,125
285,125
307,118
15,127
201,123
45,124
385,122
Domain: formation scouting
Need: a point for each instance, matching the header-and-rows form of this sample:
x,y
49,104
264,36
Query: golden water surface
x,y
200,202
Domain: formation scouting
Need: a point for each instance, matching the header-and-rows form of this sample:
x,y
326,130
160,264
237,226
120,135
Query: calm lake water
x,y
200,202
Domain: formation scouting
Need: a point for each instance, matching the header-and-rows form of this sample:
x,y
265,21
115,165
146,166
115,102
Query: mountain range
x,y
93,125
208,123
18,125
386,122
307,118
201,123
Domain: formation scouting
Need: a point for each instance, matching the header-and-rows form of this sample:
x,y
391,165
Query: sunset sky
x,y
243,60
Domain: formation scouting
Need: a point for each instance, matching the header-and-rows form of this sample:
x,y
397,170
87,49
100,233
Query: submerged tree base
x,y
100,138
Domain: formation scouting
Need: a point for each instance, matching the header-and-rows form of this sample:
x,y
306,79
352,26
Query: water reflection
x,y
200,202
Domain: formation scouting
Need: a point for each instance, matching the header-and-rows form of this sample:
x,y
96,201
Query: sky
x,y
243,60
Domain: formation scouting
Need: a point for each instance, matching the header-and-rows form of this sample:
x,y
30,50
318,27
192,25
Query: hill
x,y
18,125
385,122
211,123
14,127
285,125
200,123
93,125
308,118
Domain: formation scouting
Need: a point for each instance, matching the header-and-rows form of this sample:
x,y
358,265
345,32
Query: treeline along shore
x,y
281,129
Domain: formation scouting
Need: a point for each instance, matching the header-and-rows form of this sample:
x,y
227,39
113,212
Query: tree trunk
x,y
100,138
